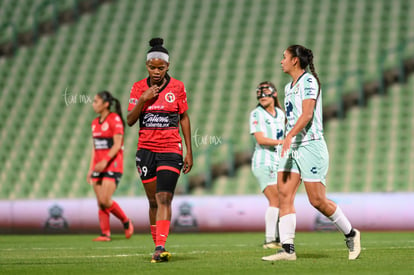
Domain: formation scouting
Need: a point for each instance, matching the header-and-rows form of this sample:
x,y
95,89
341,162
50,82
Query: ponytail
x,y
305,57
118,109
107,97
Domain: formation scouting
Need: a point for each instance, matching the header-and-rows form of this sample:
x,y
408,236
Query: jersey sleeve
x,y
133,97
255,125
182,101
116,125
310,88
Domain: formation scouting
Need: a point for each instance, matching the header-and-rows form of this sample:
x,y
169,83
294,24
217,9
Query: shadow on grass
x,y
312,256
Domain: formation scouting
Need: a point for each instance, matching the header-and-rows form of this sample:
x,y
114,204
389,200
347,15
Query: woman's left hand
x,y
188,163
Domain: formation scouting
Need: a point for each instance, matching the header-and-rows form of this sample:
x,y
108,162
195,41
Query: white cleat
x,y
281,255
354,245
272,245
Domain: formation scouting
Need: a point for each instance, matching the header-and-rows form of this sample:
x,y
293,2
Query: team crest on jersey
x,y
296,91
105,126
170,97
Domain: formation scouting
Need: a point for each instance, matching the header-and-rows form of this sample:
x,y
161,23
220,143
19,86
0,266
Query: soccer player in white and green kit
x,y
267,125
304,155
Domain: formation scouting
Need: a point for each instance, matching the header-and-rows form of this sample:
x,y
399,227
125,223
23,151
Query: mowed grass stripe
x,y
229,253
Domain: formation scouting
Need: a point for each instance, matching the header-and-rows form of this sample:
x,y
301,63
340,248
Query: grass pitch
x,y
229,253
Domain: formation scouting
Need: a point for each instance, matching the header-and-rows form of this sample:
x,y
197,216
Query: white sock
x,y
271,217
287,228
341,221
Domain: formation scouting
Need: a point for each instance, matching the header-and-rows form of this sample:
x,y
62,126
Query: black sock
x,y
351,234
289,248
126,225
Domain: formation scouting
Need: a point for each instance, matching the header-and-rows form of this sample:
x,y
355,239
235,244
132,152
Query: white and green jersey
x,y
305,88
272,127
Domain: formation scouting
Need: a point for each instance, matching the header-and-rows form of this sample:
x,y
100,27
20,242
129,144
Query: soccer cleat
x,y
281,255
354,245
102,238
272,245
160,255
129,229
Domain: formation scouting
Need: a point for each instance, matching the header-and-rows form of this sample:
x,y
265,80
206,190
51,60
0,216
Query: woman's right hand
x,y
150,93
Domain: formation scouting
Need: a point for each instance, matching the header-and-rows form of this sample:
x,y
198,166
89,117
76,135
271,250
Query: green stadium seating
x,y
46,143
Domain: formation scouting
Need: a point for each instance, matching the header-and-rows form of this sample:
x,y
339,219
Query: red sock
x,y
154,233
118,212
163,228
104,222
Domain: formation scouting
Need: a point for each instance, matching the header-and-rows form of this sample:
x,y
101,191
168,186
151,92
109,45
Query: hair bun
x,y
156,42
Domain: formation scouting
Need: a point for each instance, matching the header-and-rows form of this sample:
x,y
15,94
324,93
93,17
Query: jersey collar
x,y
167,77
297,81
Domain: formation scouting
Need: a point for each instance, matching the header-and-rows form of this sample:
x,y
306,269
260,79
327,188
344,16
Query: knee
x,y
285,197
164,198
103,204
153,203
317,202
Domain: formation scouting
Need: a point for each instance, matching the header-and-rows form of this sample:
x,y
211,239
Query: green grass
x,y
230,253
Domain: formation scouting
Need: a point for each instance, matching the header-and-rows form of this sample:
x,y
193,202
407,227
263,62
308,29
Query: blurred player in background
x,y
106,165
304,155
159,102
267,124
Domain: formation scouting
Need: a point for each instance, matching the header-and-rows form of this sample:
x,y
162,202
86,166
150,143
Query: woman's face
x,y
264,95
157,68
287,62
99,105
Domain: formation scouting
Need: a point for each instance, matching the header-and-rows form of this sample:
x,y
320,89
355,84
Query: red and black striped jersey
x,y
103,139
160,117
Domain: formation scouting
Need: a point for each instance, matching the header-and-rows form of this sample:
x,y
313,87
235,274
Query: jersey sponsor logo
x,y
170,97
159,120
133,101
105,126
93,127
288,108
279,134
156,107
310,91
103,143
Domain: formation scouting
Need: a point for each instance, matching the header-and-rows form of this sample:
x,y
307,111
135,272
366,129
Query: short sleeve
x,y
182,102
310,87
133,97
117,125
255,125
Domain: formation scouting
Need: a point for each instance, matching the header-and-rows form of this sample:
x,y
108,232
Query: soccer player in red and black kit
x,y
107,162
160,103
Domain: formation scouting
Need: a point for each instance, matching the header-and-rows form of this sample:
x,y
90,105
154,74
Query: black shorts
x,y
115,176
149,163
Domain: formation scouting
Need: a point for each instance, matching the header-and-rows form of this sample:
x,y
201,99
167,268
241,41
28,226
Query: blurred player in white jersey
x,y
267,124
304,155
